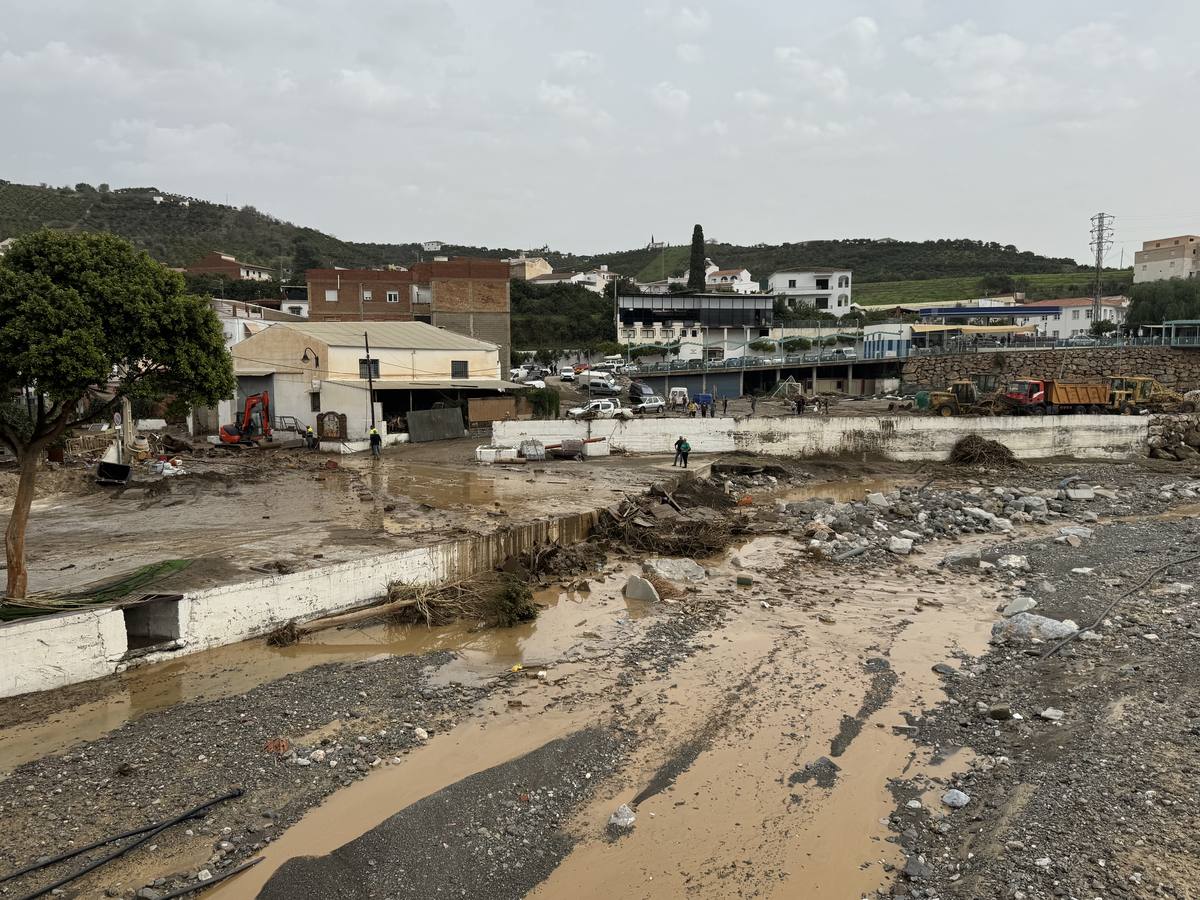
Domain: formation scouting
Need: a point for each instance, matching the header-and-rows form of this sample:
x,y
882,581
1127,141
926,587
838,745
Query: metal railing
x,y
739,363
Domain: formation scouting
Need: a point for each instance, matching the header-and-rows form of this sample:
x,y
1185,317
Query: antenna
x,y
1102,241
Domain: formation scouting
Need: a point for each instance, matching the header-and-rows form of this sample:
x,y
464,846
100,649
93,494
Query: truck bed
x,y
1076,393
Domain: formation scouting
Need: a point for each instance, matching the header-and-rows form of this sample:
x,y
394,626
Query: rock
x,y
945,669
1178,587
204,875
623,818
316,756
965,557
1046,587
878,501
1050,714
1019,605
1077,531
915,868
1014,561
147,894
1027,626
420,734
638,588
1105,493
900,546
955,799
913,804
744,581
1083,570
1081,492
675,569
1001,712
910,535
981,514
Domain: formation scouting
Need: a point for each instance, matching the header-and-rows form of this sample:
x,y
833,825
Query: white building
x,y
1167,258
737,280
318,367
595,280
827,290
1075,316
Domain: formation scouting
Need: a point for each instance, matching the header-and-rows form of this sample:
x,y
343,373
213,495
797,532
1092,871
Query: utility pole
x,y
370,380
1102,241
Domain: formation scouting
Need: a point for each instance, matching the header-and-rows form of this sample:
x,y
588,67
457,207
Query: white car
x,y
651,404
566,374
534,383
600,409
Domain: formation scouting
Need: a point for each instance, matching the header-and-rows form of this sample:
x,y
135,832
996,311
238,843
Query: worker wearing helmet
x,y
376,443
310,439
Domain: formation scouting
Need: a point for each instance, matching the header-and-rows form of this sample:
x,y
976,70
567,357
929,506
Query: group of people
x,y
819,405
705,409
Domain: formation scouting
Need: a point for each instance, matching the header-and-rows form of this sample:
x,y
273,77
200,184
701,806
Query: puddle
x,y
846,491
571,624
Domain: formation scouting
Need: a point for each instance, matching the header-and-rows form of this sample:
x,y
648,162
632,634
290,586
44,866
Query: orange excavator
x,y
255,425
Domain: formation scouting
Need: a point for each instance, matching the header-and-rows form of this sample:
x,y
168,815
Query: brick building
x,y
464,295
218,263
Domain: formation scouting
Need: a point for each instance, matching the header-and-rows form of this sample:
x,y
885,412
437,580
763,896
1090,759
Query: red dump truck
x,y
1041,396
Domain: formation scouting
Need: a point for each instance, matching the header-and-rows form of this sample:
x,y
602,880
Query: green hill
x,y
1035,287
178,230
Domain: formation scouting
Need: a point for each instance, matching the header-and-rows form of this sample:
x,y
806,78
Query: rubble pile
x,y
1174,438
974,450
900,521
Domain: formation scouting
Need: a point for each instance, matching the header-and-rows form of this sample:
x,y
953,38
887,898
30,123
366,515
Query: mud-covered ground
x,y
783,738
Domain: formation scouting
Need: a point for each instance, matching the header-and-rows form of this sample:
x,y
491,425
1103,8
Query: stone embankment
x,y
1174,438
1178,368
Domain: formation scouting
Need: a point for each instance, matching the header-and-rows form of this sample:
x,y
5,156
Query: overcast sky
x,y
587,125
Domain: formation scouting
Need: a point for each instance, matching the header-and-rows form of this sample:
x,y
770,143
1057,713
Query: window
x,y
362,368
368,296
822,303
1089,313
695,332
822,284
629,334
791,282
393,296
668,332
459,368
764,332
1074,314
843,281
296,310
647,332
331,295
314,401
843,300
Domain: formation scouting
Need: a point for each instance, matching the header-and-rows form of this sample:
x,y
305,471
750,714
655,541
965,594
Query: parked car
x,y
844,353
606,388
566,374
812,357
678,397
1081,340
651,404
600,409
735,362
639,391
534,383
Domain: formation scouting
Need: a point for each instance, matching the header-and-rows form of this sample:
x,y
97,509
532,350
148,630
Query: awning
x,y
449,384
240,371
976,329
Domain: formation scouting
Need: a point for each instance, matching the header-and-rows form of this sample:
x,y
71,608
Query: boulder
x,y
878,501
675,569
638,588
964,557
900,546
1014,561
1028,626
1081,492
955,799
1018,606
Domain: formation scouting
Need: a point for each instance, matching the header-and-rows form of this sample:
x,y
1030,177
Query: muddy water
x,y
604,616
734,821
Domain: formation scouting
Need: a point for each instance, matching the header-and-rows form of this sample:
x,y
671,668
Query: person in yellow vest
x,y
376,443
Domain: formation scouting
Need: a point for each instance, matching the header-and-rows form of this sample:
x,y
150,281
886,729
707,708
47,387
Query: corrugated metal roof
x,y
388,335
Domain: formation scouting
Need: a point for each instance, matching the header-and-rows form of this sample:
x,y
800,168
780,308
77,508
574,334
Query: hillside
x,y
180,229
1036,287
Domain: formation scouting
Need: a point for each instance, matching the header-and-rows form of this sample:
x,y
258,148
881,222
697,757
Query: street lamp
x,y
316,360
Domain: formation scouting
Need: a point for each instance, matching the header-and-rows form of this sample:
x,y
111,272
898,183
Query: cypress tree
x,y
696,273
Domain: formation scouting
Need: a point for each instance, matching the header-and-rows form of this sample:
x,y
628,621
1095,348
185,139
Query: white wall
x,y
900,438
52,651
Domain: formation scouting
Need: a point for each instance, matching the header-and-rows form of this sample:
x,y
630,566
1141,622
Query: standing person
x,y
692,407
800,403
682,449
725,405
753,403
310,439
376,443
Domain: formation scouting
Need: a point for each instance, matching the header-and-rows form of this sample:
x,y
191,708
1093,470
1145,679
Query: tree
x,y
997,284
696,273
1155,302
1101,327
305,256
85,320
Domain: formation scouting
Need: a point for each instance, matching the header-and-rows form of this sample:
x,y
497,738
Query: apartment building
x,y
705,326
218,263
827,290
1075,316
465,295
1167,258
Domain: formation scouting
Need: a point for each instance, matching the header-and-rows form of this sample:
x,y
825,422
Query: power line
x,y
1102,241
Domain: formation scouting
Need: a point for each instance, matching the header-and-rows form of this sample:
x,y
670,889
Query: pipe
x,y
120,851
205,885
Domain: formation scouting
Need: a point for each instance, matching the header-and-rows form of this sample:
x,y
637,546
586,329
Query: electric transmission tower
x,y
1102,241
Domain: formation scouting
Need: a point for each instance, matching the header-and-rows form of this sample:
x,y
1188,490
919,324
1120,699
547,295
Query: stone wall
x,y
1174,438
1178,368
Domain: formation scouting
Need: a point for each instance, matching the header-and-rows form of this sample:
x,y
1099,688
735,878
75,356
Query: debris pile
x,y
1174,438
974,450
663,526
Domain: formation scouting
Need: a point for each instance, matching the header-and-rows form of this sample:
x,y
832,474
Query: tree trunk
x,y
14,536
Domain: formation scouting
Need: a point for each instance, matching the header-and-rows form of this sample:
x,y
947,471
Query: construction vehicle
x,y
962,398
1129,394
255,424
1044,396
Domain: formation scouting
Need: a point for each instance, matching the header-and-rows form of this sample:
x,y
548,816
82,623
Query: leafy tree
x,y
1102,327
103,187
85,319
84,188
997,284
762,345
305,256
696,273
1155,302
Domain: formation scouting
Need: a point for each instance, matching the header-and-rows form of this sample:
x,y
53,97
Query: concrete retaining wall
x,y
899,438
53,651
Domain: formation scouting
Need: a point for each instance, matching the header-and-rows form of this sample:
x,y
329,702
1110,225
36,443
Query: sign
x,y
331,426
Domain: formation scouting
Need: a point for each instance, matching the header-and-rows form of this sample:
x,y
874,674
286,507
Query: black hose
x,y
205,885
145,836
1104,615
